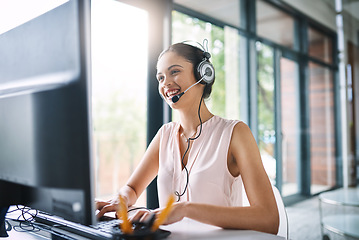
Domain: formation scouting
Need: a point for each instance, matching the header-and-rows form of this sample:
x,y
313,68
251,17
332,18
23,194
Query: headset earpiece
x,y
205,69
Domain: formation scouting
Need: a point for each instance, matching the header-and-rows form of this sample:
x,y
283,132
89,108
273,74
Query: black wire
x,y
28,224
138,208
188,145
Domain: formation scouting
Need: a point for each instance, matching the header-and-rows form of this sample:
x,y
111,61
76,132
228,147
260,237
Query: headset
x,y
204,72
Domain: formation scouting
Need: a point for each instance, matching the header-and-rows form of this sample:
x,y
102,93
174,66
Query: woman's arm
x,y
262,214
144,173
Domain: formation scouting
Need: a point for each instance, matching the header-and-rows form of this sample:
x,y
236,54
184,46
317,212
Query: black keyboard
x,y
141,230
107,225
103,230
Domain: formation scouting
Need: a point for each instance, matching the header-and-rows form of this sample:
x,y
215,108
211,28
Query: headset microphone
x,y
178,96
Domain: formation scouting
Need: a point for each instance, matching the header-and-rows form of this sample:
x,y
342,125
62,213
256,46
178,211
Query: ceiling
x,y
352,7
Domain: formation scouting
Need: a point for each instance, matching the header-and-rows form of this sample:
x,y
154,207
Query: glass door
x,y
278,114
322,128
266,109
288,117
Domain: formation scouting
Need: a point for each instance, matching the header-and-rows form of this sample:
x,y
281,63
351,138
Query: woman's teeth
x,y
172,93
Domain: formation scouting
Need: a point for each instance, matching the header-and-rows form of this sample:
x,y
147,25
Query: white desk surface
x,y
18,235
183,230
190,229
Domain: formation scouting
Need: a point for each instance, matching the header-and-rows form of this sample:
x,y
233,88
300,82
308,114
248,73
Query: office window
x,y
320,45
290,129
322,128
227,11
223,45
266,109
119,83
275,25
276,107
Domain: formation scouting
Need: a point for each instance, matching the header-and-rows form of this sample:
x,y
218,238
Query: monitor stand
x,y
3,232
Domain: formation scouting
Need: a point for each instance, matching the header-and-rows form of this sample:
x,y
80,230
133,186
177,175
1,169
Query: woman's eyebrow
x,y
174,65
170,67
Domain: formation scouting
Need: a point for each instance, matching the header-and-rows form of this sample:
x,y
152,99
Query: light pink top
x,y
209,178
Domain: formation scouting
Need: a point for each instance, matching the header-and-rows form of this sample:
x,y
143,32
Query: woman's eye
x,y
160,78
174,71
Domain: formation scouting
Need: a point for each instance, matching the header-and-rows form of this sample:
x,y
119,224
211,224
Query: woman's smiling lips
x,y
171,92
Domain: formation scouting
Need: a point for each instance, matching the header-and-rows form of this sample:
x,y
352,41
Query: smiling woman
x,y
119,92
200,154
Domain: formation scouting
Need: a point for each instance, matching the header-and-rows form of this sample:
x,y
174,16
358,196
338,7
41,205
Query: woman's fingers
x,y
140,216
100,204
104,208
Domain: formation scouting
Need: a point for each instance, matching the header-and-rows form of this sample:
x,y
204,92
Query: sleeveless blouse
x,y
209,180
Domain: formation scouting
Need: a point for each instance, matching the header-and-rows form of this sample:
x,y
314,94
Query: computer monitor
x,y
45,116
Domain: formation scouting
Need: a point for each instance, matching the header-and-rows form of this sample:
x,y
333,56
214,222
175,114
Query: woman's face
x,y
175,75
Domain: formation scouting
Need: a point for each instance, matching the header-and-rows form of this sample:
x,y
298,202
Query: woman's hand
x,y
106,206
176,214
128,194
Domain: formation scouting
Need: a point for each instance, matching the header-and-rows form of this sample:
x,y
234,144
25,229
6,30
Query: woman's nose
x,y
166,81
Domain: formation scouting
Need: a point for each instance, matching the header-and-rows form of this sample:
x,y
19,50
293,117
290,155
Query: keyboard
x,y
103,230
141,231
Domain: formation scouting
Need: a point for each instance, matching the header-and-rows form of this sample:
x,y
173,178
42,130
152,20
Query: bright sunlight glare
x,y
14,13
119,48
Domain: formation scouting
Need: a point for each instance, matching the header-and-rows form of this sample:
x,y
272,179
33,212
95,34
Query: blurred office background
x,y
289,69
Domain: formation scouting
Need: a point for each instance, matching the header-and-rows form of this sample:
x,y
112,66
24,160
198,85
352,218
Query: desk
x,y
190,229
183,230
16,235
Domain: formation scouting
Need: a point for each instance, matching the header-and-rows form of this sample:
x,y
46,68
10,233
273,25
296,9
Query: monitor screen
x,y
45,123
